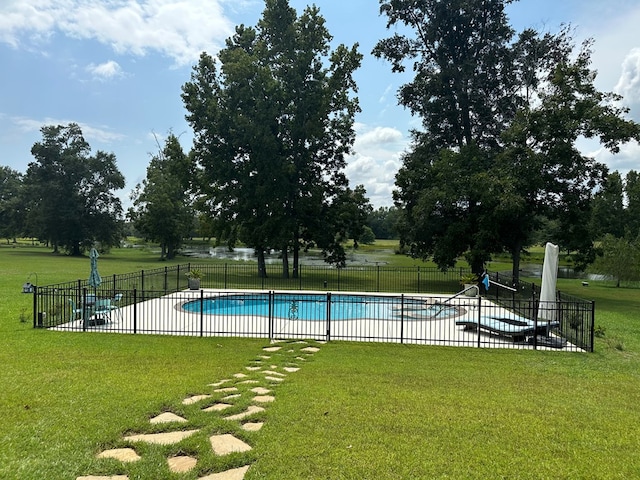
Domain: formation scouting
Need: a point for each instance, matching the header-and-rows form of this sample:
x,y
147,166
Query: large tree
x,y
608,212
12,203
632,193
72,204
619,257
161,204
501,114
273,122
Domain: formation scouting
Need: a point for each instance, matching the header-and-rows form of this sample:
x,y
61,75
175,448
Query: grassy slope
x,y
357,411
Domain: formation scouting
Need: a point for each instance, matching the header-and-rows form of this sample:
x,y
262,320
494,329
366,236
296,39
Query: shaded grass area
x,y
357,411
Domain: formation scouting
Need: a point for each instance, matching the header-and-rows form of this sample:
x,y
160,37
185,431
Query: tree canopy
x,y
501,115
273,121
12,203
161,204
70,191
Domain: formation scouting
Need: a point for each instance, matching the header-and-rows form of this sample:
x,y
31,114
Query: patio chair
x,y
101,312
75,311
115,305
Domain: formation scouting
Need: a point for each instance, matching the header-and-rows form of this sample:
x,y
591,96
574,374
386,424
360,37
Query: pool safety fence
x,y
453,320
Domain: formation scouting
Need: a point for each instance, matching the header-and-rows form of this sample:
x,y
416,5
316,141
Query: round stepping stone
x,y
252,426
116,477
275,379
240,375
122,454
168,438
271,349
218,407
265,357
249,411
310,349
228,389
291,369
226,444
253,369
221,382
181,464
230,397
248,381
260,390
271,372
233,474
264,398
167,417
194,399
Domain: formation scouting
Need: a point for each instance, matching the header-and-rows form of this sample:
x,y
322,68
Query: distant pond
x,y
535,271
274,256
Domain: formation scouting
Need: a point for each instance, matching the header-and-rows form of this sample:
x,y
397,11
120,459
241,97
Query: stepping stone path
x,y
181,464
284,359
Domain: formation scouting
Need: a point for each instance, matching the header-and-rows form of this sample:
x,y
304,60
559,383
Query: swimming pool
x,y
314,307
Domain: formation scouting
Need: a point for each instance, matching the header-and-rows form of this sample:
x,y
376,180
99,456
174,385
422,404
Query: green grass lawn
x,y
354,411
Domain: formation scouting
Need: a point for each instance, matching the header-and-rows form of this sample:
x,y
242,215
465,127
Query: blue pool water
x,y
314,307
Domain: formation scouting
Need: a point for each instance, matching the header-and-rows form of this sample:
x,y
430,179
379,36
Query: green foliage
x,y
383,222
194,273
273,123
501,119
70,192
619,258
608,212
162,206
632,191
12,203
469,279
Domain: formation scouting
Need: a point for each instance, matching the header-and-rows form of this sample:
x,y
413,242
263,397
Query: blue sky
x,y
116,67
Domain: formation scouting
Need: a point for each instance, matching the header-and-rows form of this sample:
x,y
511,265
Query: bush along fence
x,y
158,301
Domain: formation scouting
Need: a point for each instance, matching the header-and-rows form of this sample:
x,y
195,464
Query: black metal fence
x,y
153,301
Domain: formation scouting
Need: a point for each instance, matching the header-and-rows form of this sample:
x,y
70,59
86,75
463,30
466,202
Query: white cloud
x,y
179,29
105,71
379,136
376,161
625,160
629,83
91,133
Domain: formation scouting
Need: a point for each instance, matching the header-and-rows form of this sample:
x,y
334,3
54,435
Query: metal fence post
x,y
328,336
479,317
402,318
35,305
592,321
135,310
271,300
142,283
201,312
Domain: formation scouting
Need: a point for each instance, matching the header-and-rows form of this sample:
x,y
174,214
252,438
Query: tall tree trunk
x,y
262,266
296,255
285,262
515,258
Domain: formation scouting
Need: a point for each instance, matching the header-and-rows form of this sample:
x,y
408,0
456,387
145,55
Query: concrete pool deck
x,y
164,316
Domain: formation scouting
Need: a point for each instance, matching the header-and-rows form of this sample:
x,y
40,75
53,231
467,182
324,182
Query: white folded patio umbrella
x,y
547,309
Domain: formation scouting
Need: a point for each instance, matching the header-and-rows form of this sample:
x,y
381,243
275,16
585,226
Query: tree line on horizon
x,y
494,167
